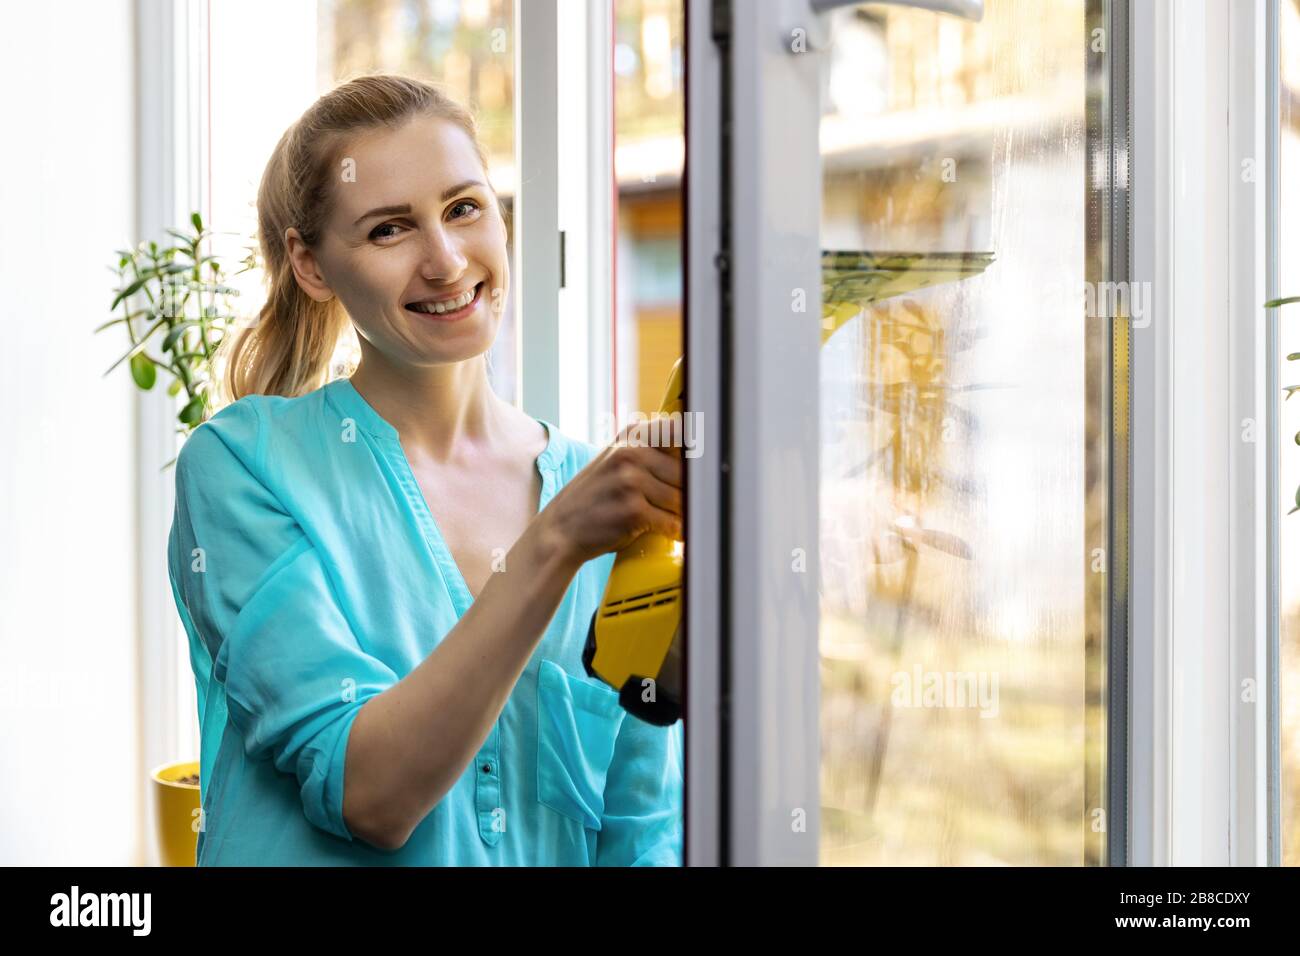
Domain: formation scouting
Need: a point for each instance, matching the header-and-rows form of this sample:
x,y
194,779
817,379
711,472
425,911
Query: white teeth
x,y
437,308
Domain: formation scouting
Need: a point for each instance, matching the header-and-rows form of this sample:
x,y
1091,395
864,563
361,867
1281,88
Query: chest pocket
x,y
577,724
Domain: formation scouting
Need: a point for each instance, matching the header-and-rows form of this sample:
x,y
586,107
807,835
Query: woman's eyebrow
x,y
448,193
405,208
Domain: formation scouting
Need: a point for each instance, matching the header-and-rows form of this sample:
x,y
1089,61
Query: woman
x,y
387,580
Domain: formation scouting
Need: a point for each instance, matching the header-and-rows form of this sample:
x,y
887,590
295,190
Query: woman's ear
x,y
306,270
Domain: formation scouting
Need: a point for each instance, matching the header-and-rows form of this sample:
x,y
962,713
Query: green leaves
x,y
143,371
122,318
177,331
147,275
192,413
138,347
168,291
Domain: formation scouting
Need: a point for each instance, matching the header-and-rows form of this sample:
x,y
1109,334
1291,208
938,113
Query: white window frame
x,y
1199,753
1272,272
753,493
171,58
585,118
701,188
536,267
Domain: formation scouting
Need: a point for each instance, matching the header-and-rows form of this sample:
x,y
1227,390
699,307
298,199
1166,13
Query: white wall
x,y
71,791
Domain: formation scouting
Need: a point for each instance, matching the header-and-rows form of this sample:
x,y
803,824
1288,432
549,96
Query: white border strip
x,y
585,217
776,179
1151,165
601,227
1273,133
536,278
1198,773
1248,375
1202,428
169,47
705,577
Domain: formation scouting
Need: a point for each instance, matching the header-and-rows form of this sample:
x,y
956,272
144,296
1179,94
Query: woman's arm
x,y
409,744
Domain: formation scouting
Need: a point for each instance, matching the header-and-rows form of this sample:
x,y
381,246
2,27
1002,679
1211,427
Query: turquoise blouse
x,y
310,576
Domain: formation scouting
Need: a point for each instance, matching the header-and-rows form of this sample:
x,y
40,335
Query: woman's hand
x,y
628,489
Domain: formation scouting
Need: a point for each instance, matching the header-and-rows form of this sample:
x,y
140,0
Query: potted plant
x,y
175,297
175,309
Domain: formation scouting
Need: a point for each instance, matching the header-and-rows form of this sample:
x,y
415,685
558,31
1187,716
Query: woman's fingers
x,y
665,464
632,486
661,495
663,522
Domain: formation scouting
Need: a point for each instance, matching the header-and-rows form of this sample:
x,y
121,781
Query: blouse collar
x,y
347,399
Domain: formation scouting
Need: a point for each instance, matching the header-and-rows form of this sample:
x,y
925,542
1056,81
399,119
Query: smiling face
x,y
415,247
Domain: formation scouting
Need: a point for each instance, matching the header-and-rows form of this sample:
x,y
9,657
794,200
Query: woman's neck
x,y
437,410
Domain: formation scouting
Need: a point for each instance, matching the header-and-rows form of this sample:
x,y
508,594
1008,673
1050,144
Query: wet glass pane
x,y
963,493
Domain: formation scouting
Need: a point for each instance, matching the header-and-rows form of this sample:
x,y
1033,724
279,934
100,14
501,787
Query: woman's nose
x,y
443,258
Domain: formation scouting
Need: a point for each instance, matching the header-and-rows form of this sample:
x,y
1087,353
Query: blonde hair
x,y
287,350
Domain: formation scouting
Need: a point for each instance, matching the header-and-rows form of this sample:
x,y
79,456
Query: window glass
x,y
964,435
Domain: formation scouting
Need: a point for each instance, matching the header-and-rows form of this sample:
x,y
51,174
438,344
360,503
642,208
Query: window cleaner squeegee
x,y
634,643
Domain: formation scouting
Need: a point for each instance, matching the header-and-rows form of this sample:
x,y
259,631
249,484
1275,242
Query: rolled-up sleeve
x,y
642,823
259,596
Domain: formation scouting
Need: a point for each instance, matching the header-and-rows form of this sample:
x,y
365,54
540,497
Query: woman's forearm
x,y
409,744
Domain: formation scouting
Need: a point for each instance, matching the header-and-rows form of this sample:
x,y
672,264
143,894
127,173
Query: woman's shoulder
x,y
566,453
244,428
232,431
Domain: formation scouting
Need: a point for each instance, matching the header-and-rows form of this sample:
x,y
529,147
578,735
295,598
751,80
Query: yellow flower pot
x,y
176,812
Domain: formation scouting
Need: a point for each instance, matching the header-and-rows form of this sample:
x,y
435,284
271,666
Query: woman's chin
x,y
450,353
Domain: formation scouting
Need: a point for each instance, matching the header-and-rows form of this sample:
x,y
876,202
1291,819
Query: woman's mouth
x,y
448,310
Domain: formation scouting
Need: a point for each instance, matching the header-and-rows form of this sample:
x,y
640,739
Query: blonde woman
x,y
387,579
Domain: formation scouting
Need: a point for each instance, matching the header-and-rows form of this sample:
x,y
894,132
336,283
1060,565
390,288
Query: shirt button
x,y
487,768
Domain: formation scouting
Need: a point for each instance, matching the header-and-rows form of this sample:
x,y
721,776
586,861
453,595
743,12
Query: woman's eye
x,y
464,202
376,234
